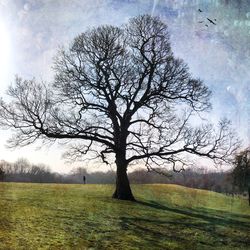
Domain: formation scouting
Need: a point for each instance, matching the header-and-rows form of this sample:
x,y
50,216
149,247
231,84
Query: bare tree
x,y
2,173
241,172
120,93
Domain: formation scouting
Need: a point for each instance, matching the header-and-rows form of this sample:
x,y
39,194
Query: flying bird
x,y
211,21
208,19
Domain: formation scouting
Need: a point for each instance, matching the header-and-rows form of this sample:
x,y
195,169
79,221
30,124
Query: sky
x,y
31,31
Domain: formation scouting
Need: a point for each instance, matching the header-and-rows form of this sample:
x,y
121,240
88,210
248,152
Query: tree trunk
x,y
123,190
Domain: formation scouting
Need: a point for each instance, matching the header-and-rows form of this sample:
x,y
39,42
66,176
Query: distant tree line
x,y
198,178
23,171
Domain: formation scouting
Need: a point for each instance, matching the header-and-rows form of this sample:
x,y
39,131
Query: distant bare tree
x,y
241,172
5,166
2,173
21,166
121,95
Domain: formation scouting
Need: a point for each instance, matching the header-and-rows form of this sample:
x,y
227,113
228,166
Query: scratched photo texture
x,y
125,124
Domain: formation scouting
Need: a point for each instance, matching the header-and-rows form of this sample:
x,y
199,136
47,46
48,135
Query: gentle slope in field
x,y
55,216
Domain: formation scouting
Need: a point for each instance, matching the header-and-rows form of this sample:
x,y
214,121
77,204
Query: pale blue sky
x,y
32,30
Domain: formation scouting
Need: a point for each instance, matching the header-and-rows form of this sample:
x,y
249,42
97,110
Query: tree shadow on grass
x,y
226,213
190,228
207,215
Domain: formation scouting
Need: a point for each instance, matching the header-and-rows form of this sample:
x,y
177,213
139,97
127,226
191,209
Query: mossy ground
x,y
57,216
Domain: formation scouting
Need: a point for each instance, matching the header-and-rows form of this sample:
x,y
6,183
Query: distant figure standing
x,y
84,179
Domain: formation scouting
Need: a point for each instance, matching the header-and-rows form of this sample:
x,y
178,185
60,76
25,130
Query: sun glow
x,y
4,52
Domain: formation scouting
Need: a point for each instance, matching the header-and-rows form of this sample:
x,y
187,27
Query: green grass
x,y
55,216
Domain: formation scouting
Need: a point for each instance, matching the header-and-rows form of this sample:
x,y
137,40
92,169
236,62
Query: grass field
x,y
55,216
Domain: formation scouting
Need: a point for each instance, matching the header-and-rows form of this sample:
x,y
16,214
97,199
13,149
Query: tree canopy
x,y
121,95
